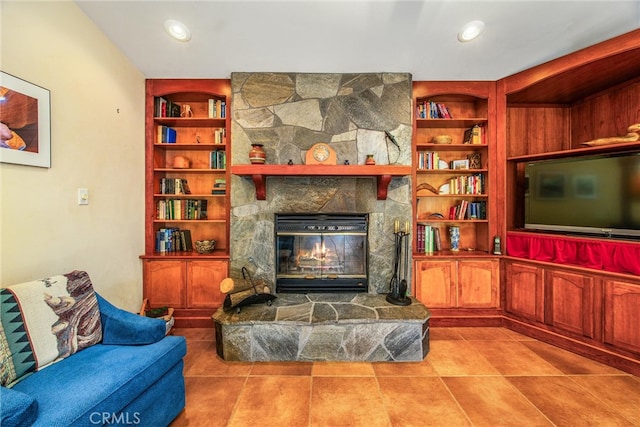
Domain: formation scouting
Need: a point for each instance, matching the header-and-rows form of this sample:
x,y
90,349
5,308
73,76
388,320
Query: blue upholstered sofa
x,y
131,374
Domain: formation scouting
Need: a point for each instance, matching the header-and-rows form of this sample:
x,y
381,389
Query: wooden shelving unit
x,y
186,280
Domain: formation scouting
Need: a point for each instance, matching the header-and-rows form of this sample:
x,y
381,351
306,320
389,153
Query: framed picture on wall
x,y
25,122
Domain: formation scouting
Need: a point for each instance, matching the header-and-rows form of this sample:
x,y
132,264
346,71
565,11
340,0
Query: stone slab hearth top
x,y
325,308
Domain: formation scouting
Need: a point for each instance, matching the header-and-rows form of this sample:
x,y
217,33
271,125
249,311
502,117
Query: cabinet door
x,y
524,291
621,314
478,283
570,302
203,283
164,283
435,283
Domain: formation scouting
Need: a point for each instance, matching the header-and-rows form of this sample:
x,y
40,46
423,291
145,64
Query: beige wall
x,y
97,138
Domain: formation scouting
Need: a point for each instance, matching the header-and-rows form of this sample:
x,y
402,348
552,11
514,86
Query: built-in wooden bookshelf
x,y
453,170
188,137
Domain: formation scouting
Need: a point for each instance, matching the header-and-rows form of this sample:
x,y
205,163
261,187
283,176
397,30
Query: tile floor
x,y
471,377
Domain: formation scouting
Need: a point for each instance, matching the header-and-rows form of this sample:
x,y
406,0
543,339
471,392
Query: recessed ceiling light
x,y
177,30
470,31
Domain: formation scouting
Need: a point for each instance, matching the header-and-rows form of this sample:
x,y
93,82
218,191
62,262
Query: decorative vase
x,y
454,236
370,160
257,154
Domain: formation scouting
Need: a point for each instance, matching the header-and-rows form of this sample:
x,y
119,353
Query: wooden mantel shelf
x,y
382,173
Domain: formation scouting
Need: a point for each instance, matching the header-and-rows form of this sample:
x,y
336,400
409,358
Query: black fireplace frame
x,y
318,223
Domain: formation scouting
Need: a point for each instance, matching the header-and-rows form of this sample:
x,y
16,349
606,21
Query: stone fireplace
x,y
289,112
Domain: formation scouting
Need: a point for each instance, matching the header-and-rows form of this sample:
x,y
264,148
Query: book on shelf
x,y
219,186
211,108
465,210
428,238
173,239
475,135
165,108
174,186
218,159
223,109
432,110
181,209
219,135
167,135
428,160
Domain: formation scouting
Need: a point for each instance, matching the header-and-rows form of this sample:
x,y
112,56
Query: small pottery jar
x,y
257,154
370,160
454,235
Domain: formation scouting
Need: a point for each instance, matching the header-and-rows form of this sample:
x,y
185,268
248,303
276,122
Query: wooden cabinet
x,y
187,142
469,283
571,304
622,314
203,283
524,291
452,176
191,287
479,283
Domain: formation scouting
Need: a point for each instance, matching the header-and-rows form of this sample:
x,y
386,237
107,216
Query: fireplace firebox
x,y
321,252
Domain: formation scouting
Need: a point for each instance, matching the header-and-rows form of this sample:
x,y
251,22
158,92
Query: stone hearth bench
x,y
324,327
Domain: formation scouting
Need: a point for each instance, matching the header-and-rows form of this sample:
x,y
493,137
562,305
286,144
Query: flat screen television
x,y
595,195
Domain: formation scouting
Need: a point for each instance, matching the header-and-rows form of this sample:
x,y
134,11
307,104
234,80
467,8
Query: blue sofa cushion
x,y
120,327
100,379
18,409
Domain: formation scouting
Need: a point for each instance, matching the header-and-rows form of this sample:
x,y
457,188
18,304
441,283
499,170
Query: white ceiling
x,y
341,36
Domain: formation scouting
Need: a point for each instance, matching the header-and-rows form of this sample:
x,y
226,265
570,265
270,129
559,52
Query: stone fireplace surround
x,y
289,112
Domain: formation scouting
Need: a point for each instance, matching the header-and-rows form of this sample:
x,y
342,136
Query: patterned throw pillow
x,y
47,320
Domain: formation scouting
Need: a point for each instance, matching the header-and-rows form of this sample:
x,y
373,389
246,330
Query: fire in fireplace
x,y
321,252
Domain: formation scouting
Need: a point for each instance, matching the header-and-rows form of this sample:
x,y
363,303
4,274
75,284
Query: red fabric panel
x,y
614,256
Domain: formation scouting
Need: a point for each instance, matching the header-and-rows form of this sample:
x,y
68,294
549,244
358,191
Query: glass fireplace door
x,y
321,252
321,256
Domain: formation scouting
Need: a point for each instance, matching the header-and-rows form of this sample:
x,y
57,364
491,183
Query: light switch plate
x,y
83,196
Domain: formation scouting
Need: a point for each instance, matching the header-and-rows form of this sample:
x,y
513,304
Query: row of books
x,y
218,159
181,209
428,238
217,109
173,240
174,186
468,210
428,160
467,184
433,110
219,135
165,108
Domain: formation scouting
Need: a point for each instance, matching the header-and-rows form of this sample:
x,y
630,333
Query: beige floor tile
x,y
620,392
210,401
420,401
195,349
404,369
347,401
281,368
566,403
514,358
567,362
451,358
350,369
273,401
493,401
209,364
